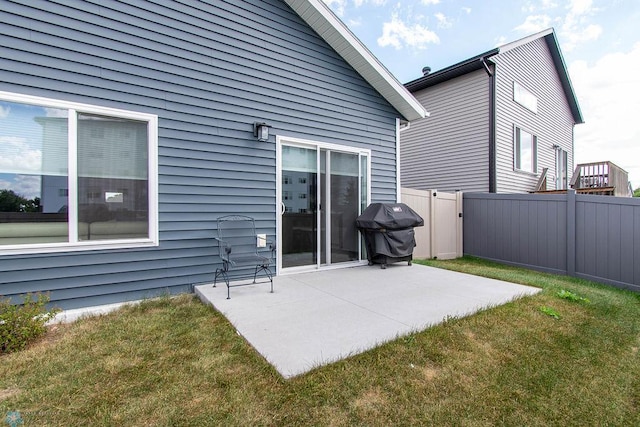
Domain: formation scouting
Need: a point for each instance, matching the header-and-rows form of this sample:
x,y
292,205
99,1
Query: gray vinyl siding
x,y
209,70
449,150
531,66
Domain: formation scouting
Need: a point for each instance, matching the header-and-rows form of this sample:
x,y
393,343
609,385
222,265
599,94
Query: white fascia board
x,y
319,17
521,42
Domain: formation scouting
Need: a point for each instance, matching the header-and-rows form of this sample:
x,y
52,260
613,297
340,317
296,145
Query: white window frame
x,y
73,244
517,153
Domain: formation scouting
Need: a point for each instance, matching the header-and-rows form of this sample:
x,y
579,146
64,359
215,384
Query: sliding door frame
x,y
318,147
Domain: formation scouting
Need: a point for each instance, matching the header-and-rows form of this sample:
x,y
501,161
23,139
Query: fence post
x,y
459,224
571,232
432,223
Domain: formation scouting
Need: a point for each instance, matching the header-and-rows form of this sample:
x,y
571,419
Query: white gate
x,y
441,236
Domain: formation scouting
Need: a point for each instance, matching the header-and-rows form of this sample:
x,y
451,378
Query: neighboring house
x,y
498,120
130,128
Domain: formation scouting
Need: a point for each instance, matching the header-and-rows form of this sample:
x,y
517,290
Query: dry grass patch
x,y
8,393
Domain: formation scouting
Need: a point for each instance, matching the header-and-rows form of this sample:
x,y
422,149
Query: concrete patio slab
x,y
316,318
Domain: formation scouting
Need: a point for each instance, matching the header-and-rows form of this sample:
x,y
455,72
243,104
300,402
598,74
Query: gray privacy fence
x,y
586,236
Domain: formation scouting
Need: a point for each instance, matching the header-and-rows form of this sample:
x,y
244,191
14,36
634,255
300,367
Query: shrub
x,y
564,294
550,311
21,324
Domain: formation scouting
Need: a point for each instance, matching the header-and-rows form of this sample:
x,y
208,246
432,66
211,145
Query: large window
x,y
525,98
75,176
525,151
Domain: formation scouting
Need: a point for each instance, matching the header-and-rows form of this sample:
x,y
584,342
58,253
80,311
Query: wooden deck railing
x,y
601,178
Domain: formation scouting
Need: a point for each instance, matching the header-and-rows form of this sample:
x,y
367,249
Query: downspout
x,y
492,127
398,184
399,128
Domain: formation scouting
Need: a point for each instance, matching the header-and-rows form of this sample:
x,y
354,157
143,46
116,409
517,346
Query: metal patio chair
x,y
239,244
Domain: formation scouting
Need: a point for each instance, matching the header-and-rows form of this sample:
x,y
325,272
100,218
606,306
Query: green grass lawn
x,y
175,361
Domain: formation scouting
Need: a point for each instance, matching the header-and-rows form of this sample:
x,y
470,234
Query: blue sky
x,y
600,41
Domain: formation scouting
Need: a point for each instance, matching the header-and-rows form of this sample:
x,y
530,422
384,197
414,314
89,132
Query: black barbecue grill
x,y
388,232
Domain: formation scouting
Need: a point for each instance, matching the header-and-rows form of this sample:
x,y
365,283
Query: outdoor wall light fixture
x,y
261,131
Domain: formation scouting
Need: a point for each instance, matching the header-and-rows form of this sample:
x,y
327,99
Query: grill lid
x,y
390,216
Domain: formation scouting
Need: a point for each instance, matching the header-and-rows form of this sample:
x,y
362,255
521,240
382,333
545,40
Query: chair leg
x,y
267,271
222,272
269,274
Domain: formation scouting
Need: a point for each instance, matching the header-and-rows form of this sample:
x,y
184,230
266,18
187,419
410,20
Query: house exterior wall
x,y
208,70
531,65
449,150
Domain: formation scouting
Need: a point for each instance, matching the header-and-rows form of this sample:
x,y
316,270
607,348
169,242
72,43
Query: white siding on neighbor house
x,y
530,65
449,150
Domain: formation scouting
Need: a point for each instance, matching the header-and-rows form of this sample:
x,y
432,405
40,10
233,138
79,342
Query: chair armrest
x,y
223,244
270,246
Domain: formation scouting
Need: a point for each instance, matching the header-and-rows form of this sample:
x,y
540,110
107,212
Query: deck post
x,y
571,232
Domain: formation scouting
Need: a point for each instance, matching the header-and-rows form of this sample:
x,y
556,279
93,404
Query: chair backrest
x,y
239,231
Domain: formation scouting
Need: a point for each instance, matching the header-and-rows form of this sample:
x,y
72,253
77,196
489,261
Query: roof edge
x,y
451,72
551,39
328,26
475,63
521,42
565,79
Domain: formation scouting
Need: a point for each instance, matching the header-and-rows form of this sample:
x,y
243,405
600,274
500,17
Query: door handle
x,y
283,208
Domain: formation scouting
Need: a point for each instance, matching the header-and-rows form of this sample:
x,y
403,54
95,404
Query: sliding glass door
x,y
322,191
299,185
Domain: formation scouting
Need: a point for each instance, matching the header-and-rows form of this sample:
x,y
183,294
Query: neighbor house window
x,y
525,98
75,176
525,147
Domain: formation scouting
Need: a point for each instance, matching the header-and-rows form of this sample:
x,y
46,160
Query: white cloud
x,y
398,34
528,7
443,22
359,3
56,112
574,26
609,96
27,186
580,7
430,2
18,156
467,10
575,29
337,6
533,6
534,24
574,35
